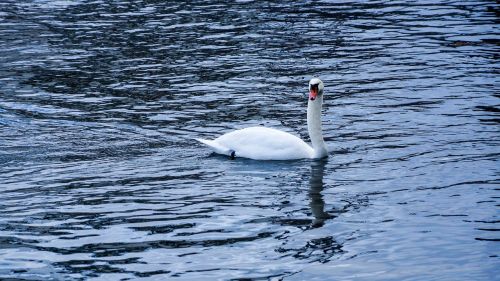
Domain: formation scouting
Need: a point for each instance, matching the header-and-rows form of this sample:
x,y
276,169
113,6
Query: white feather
x,y
262,143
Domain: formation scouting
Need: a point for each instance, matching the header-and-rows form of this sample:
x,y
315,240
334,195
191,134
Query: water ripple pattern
x,y
100,178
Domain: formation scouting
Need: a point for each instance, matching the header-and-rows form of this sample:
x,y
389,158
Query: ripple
x,y
102,179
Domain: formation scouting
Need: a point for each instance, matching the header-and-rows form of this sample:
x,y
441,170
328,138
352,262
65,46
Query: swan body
x,y
261,143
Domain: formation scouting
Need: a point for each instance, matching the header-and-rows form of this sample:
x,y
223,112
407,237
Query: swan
x,y
261,143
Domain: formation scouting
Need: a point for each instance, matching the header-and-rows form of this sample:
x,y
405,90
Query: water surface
x,y
100,178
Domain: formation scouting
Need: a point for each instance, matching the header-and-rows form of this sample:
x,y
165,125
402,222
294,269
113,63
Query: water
x,y
100,178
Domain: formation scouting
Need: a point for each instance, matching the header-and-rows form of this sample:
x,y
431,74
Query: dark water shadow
x,y
260,166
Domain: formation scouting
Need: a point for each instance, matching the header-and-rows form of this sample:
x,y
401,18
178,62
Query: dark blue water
x,y
100,178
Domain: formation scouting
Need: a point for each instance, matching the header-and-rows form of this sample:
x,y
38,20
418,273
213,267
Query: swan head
x,y
315,89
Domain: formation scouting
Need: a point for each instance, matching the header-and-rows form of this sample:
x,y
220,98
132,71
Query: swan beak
x,y
313,93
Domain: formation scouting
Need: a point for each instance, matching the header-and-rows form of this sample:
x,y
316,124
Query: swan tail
x,y
217,147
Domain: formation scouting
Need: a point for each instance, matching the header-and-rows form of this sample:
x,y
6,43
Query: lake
x,y
101,178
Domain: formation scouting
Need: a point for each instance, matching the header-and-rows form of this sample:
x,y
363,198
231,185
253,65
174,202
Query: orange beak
x,y
313,92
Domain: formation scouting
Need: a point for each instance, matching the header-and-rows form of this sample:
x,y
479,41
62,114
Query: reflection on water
x,y
316,186
101,179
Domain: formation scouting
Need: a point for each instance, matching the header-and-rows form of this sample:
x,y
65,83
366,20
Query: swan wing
x,y
261,143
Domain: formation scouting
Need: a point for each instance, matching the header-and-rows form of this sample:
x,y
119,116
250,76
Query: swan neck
x,y
314,127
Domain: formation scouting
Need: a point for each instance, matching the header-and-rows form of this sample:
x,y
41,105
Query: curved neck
x,y
314,127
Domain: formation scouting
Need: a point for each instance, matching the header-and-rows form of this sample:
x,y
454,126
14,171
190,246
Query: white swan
x,y
261,143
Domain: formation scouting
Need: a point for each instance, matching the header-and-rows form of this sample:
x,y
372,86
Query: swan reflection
x,y
317,203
